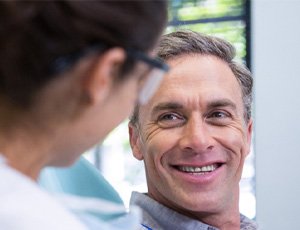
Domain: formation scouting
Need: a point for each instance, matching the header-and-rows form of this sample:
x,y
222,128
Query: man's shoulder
x,y
148,207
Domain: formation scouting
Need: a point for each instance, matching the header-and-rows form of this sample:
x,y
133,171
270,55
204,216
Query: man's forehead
x,y
194,70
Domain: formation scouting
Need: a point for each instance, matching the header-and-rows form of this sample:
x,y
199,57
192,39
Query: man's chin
x,y
198,206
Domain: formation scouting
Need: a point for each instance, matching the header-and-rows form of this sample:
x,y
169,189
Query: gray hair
x,y
186,42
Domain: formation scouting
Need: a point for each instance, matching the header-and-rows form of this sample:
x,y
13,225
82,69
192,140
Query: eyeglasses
x,y
154,78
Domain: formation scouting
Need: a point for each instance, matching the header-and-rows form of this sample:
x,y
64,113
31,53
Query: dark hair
x,y
33,34
186,42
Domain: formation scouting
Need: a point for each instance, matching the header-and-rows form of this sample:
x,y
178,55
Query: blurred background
x,y
266,36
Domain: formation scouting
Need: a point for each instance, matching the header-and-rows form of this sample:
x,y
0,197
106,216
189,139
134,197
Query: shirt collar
x,y
170,219
165,217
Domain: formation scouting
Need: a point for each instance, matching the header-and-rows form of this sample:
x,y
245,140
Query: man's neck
x,y
226,217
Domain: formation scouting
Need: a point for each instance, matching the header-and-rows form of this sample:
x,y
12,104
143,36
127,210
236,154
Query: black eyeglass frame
x,y
63,63
153,62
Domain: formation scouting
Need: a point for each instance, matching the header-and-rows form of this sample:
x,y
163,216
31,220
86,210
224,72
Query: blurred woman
x,y
70,71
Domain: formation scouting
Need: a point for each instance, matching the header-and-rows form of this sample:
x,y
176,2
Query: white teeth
x,y
207,168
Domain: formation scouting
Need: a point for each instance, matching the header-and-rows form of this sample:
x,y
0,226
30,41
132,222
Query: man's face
x,y
193,137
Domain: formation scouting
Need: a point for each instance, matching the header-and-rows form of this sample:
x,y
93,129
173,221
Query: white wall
x,y
276,68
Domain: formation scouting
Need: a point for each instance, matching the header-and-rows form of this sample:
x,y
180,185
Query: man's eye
x,y
219,114
168,117
170,120
219,118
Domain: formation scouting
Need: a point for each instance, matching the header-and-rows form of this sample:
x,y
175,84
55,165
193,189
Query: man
x,y
194,136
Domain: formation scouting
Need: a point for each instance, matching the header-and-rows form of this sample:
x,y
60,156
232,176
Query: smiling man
x,y
194,136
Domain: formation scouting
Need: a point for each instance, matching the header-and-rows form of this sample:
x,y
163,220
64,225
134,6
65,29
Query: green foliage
x,y
232,31
199,9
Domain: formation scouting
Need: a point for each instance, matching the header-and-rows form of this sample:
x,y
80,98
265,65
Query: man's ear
x,y
249,135
135,142
100,79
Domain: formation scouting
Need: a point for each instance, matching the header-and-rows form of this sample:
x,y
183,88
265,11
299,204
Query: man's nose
x,y
196,136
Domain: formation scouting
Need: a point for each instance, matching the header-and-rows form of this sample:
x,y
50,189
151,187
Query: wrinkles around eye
x,y
151,129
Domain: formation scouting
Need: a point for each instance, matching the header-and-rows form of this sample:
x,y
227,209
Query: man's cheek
x,y
232,140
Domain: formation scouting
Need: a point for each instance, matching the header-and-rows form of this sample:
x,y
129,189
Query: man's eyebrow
x,y
166,106
221,103
176,106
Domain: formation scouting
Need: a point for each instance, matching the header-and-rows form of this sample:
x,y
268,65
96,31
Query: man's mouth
x,y
198,169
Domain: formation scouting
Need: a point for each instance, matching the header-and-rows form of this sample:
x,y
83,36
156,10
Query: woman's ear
x,y
135,142
100,80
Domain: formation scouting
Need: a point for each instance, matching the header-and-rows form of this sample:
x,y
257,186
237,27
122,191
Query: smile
x,y
197,169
